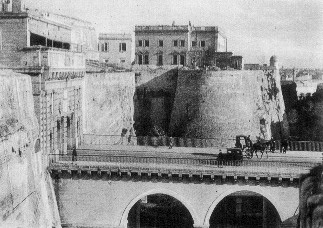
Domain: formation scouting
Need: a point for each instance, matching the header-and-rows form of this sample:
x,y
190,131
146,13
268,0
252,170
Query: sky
x,y
256,29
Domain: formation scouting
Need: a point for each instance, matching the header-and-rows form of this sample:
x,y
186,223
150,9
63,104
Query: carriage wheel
x,y
248,153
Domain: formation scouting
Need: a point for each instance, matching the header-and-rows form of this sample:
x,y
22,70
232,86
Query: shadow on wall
x,y
305,116
280,130
154,101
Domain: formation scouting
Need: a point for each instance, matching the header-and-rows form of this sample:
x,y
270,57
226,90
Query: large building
x,y
115,49
53,50
21,28
182,45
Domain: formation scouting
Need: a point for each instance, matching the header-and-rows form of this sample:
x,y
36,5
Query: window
x,y
6,6
160,43
146,62
98,47
182,60
160,59
194,43
174,59
122,60
140,43
106,47
146,43
182,43
202,44
102,47
175,42
122,47
140,59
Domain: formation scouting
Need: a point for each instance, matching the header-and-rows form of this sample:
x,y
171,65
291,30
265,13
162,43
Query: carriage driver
x,y
238,143
248,142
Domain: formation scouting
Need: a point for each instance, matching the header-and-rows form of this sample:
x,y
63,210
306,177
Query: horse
x,y
261,147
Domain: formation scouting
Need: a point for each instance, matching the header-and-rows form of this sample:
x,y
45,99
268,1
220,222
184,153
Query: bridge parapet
x,y
90,139
207,168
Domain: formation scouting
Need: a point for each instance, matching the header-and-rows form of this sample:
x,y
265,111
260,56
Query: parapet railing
x,y
90,139
198,161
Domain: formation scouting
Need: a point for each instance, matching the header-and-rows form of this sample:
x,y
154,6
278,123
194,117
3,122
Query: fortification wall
x,y
26,194
108,103
223,104
154,97
146,73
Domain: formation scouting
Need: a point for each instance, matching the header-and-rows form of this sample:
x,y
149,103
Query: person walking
x,y
170,142
284,146
272,145
74,154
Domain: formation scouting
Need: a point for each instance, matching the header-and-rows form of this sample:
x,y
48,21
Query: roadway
x,y
184,152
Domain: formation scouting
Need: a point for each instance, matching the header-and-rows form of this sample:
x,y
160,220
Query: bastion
x,y
223,104
27,198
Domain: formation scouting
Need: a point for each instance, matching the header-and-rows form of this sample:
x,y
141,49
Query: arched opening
x,y
159,211
245,209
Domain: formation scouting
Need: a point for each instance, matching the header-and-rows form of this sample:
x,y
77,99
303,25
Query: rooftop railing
x,y
52,57
161,28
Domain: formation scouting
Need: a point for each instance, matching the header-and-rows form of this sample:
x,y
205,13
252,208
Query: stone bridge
x,y
110,182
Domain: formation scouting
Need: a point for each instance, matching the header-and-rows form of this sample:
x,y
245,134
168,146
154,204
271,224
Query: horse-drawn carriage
x,y
233,156
248,148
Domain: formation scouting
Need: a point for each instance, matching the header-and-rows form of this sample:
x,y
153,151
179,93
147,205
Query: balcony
x,y
38,57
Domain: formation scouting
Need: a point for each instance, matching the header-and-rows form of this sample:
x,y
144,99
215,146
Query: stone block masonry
x,y
106,202
223,104
25,192
108,103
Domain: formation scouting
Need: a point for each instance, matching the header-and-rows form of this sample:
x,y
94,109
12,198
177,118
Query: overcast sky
x,y
256,29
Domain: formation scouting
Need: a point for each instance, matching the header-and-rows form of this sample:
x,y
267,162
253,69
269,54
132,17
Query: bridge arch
x,y
234,189
189,207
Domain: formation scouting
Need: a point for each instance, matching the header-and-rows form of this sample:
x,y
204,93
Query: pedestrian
x,y
283,146
170,142
272,145
74,154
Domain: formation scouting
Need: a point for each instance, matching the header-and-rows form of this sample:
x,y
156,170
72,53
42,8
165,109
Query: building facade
x,y
53,50
182,45
115,49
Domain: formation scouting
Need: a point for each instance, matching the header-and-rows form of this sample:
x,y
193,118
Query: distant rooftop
x,y
59,18
114,36
181,28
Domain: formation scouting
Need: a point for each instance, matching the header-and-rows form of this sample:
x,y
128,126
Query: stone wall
x,y
60,114
154,97
107,202
26,195
108,103
223,104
